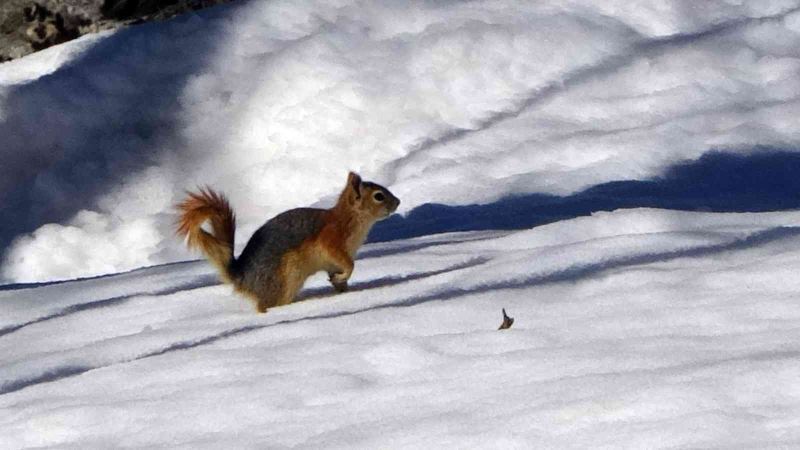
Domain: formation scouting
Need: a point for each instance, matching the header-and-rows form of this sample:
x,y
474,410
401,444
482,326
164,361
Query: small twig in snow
x,y
507,321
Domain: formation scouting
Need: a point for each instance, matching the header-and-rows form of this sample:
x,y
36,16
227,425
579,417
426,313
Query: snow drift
x,y
634,329
444,102
558,137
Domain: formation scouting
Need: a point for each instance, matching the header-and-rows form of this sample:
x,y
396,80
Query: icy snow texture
x,y
638,328
451,102
633,329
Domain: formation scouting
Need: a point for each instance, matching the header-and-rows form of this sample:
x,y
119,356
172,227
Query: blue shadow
x,y
766,180
70,137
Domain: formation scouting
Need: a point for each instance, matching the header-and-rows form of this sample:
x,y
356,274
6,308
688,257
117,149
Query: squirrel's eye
x,y
379,197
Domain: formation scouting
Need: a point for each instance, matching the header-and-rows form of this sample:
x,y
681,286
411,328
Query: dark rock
x,y
27,25
130,9
47,28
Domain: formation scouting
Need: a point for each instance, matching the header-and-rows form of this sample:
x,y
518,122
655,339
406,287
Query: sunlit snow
x,y
446,102
620,177
635,329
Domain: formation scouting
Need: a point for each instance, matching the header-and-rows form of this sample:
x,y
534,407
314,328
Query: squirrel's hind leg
x,y
272,293
263,291
268,298
259,299
291,285
262,305
292,273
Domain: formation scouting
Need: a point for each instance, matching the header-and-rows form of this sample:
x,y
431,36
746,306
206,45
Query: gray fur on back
x,y
256,267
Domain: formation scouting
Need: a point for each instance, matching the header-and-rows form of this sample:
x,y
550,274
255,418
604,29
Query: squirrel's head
x,y
369,199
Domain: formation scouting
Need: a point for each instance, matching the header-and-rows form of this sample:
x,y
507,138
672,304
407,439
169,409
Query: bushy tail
x,y
218,245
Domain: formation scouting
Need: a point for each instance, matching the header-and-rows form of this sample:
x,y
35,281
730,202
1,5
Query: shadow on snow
x,y
198,282
68,371
570,274
69,136
765,180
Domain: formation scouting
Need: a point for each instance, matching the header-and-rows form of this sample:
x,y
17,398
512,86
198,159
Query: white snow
x,y
272,102
634,328
46,61
638,329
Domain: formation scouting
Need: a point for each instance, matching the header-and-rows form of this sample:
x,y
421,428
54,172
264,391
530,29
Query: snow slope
x,y
559,137
272,102
633,329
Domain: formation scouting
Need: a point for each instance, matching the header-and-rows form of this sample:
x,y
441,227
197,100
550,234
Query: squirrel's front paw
x,y
339,282
340,287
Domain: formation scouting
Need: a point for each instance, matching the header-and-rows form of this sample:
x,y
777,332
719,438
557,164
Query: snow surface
x,y
272,102
638,329
560,137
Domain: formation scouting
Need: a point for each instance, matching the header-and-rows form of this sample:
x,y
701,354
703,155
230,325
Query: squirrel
x,y
291,246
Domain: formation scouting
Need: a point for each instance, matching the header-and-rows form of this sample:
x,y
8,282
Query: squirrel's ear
x,y
354,182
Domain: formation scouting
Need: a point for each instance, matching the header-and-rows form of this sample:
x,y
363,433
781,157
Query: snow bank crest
x,y
272,102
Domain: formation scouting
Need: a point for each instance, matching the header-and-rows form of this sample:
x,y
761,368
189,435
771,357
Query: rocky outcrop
x,y
27,25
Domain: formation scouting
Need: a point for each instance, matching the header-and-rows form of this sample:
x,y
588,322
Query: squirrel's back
x,y
256,268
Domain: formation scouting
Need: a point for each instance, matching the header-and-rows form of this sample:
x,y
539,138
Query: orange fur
x,y
194,211
272,274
